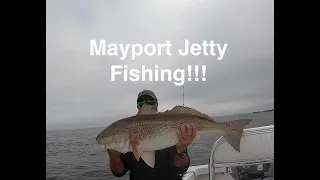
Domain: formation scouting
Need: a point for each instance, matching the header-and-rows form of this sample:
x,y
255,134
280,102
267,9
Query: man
x,y
171,163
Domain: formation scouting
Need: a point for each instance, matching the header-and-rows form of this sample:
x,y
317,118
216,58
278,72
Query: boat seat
x,y
256,147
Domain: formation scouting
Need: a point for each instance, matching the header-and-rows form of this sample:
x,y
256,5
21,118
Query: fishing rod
x,y
183,95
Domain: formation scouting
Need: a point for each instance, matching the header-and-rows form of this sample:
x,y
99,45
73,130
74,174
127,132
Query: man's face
x,y
145,99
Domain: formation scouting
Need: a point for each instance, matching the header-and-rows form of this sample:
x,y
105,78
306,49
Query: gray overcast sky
x,y
79,88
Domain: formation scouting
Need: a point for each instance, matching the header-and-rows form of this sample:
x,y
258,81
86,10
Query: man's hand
x,y
116,164
186,136
113,153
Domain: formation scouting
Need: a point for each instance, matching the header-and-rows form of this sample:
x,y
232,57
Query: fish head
x,y
104,138
114,138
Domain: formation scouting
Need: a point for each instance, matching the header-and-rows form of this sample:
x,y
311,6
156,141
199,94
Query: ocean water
x,y
73,154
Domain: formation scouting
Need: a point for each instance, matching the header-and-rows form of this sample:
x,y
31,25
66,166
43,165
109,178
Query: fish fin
x,y
125,149
135,149
147,109
197,138
149,158
233,131
187,110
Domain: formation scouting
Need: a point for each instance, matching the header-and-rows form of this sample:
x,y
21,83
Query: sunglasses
x,y
151,102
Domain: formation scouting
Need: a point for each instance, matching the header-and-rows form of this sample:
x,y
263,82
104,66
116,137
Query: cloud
x,y
79,88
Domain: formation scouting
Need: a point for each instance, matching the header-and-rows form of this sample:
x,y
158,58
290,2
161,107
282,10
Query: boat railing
x,y
256,149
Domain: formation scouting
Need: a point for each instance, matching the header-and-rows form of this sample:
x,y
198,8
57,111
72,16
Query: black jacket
x,y
164,167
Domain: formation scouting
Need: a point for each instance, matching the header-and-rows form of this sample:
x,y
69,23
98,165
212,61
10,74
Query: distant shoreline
x,y
269,110
50,127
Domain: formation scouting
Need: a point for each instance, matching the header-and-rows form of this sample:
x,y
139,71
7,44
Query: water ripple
x,y
75,155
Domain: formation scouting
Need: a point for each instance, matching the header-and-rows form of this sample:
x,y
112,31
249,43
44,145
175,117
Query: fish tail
x,y
233,131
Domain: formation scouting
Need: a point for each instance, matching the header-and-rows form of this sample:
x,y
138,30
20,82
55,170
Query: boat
x,y
252,162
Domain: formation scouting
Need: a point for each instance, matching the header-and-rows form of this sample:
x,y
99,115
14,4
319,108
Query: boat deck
x,y
269,173
203,177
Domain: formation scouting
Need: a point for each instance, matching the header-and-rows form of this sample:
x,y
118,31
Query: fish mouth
x,y
102,142
99,138
104,147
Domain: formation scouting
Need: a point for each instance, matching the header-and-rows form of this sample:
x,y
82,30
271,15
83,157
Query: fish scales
x,y
148,126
